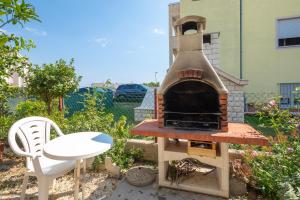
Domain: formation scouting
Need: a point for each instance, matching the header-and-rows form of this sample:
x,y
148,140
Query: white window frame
x,y
289,95
277,36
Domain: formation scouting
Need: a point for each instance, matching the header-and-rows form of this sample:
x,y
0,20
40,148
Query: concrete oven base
x,y
217,185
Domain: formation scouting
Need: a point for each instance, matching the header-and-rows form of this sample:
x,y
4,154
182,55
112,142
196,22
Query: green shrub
x,y
39,108
6,122
276,169
94,118
91,118
123,157
30,108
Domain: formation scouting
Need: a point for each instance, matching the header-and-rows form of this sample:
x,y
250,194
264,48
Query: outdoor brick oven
x,y
192,96
191,108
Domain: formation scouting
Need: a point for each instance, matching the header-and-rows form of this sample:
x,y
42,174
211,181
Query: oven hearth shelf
x,y
238,133
207,184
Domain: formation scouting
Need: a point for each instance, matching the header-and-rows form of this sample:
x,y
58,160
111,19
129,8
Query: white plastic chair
x,y
34,133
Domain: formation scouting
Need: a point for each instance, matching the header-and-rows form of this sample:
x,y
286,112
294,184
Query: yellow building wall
x,y
264,65
221,16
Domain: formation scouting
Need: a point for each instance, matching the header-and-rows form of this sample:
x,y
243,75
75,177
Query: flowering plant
x,y
281,121
275,170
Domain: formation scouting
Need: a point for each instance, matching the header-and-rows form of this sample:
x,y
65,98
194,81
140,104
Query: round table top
x,y
77,146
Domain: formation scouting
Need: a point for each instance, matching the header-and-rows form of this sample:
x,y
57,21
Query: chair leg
x,y
44,184
24,186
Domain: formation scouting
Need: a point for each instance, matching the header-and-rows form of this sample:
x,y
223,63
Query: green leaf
x,y
3,41
3,12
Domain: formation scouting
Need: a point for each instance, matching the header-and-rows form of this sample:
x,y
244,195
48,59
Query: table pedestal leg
x,y
77,179
83,177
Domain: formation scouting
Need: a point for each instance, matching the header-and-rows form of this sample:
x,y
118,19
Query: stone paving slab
x,y
124,191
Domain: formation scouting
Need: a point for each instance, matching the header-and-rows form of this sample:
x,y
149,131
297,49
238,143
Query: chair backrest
x,y
34,133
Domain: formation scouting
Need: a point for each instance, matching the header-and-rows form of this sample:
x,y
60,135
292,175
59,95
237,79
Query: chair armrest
x,y
19,152
57,129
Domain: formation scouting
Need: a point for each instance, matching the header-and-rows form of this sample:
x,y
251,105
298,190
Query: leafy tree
x,y
109,84
16,12
12,12
152,84
52,81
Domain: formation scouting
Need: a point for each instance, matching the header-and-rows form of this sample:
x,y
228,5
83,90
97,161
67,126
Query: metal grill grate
x,y
192,121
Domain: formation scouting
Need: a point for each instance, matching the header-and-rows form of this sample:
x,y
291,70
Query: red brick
x,y
223,101
192,73
223,97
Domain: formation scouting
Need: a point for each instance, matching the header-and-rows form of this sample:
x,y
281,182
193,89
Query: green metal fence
x,y
135,109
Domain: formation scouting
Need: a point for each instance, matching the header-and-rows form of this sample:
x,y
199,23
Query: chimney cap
x,y
191,18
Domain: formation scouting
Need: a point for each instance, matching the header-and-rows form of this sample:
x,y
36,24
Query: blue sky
x,y
125,41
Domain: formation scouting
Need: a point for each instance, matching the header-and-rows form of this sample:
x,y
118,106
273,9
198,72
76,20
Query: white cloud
x,y
36,31
159,31
102,41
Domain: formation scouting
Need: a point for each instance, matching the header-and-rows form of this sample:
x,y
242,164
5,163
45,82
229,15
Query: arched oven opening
x,y
192,104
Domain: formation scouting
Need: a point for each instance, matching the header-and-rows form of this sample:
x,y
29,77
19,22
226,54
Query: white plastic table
x,y
79,147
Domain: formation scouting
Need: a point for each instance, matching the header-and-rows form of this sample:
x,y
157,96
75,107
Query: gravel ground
x,y
98,185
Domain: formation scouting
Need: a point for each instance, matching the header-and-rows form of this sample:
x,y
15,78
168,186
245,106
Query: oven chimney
x,y
192,95
189,33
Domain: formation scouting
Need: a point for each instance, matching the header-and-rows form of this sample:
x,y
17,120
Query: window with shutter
x,y
288,32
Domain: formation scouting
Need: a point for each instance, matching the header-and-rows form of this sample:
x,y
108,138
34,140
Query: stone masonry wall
x,y
211,50
235,101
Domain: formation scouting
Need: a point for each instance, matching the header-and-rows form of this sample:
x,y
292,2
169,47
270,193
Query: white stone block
x,y
232,114
215,41
206,46
237,88
215,57
210,57
240,115
230,103
214,35
215,61
215,46
237,109
215,51
242,119
241,98
230,88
